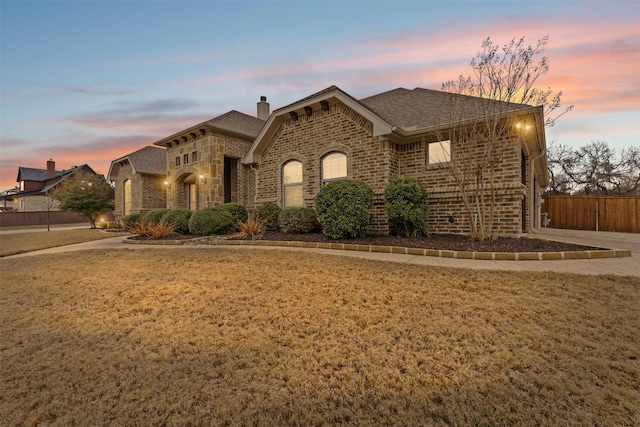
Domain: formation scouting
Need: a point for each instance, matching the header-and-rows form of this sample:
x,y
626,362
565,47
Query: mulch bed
x,y
452,242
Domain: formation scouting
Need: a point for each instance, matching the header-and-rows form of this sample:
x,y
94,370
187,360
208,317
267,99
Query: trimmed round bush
x,y
179,218
154,216
298,220
209,222
406,205
130,220
268,213
237,211
343,209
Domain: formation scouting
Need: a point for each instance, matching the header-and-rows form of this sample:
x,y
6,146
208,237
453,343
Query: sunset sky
x,y
90,81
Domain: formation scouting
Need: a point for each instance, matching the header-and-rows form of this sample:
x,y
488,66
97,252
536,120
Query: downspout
x,y
537,199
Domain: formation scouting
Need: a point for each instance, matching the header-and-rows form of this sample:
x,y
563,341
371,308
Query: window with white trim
x,y
439,152
292,184
334,167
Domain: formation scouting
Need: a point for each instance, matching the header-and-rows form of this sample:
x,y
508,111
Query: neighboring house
x,y
36,185
139,180
287,156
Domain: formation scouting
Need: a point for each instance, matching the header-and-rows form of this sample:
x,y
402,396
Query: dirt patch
x,y
215,336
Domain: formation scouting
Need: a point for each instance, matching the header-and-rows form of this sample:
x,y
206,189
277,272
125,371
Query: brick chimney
x,y
263,108
51,169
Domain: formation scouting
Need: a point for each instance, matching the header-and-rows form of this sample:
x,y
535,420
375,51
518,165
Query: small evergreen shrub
x,y
130,220
343,209
406,206
237,211
298,221
179,218
154,216
268,213
210,222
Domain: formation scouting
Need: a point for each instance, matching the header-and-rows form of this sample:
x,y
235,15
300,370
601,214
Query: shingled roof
x,y
146,161
424,108
239,122
33,174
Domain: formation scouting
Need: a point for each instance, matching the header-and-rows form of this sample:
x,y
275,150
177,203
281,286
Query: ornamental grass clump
x,y
129,221
209,222
298,221
252,228
406,206
154,216
268,213
343,209
179,218
156,230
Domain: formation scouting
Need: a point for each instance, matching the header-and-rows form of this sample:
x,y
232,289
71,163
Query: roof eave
x,y
380,127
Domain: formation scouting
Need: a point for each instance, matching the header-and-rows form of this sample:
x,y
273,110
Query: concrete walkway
x,y
627,266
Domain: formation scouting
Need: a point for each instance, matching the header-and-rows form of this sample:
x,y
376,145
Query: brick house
x,y
412,133
139,180
35,186
286,156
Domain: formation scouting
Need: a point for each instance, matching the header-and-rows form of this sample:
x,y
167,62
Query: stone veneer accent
x,y
212,148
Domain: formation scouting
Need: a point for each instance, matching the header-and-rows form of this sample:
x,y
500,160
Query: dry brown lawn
x,y
11,244
219,336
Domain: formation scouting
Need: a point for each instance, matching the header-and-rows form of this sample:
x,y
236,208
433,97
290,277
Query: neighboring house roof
x,y
233,122
33,174
40,175
146,161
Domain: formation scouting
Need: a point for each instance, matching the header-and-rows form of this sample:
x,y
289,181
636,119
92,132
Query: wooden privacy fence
x,y
15,219
595,213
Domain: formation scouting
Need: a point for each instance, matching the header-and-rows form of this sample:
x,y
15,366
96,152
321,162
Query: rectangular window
x,y
185,159
194,157
439,152
178,161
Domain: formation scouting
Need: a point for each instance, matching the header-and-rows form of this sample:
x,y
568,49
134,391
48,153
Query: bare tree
x,y
595,168
503,84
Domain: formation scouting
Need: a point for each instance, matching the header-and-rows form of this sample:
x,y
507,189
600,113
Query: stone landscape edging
x,y
442,253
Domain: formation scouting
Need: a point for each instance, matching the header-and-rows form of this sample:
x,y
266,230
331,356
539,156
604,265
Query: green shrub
x,y
210,222
179,218
268,213
153,216
406,205
237,211
298,220
343,209
130,220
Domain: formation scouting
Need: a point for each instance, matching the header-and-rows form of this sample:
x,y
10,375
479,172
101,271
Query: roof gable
x,y
380,126
146,161
234,122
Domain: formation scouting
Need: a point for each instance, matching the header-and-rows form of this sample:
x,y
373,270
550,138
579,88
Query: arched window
x,y
292,184
126,197
334,167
